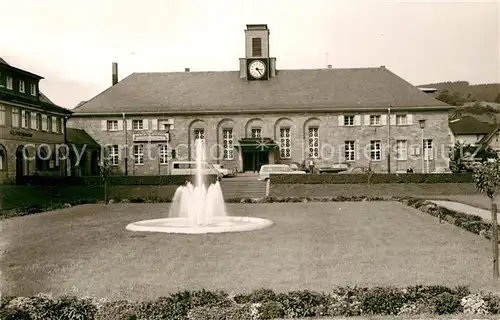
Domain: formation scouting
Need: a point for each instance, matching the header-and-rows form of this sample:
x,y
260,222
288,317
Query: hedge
x,y
260,304
335,178
112,180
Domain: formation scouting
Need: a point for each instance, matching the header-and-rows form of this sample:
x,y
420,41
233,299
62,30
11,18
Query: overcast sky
x,y
72,43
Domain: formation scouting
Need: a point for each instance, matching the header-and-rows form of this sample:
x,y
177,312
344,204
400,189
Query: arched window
x,y
3,158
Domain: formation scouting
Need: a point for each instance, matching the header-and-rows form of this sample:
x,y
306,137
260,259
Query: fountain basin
x,y
185,226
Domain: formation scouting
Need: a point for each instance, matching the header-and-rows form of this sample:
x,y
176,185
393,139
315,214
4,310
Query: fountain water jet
x,y
199,209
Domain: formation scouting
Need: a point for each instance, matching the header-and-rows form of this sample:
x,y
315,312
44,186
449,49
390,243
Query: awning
x,y
257,145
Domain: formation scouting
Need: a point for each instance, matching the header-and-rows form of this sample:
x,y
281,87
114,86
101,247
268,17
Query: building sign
x,y
147,137
20,133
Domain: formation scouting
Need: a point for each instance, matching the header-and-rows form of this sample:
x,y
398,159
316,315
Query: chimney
x,y
186,70
114,73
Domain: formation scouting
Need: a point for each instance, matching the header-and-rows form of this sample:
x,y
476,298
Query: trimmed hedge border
x,y
260,304
335,178
112,180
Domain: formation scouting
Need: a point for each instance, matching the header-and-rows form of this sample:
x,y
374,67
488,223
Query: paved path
x,y
465,208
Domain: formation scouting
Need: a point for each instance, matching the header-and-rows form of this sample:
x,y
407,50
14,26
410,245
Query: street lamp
x,y
422,126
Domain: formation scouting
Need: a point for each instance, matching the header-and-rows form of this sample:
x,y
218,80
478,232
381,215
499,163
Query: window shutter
x,y
393,119
104,125
145,124
341,121
120,125
409,119
383,119
154,124
367,120
357,120
129,124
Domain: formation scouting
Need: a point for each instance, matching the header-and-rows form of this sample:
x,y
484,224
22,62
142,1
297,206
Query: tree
x,y
369,174
105,171
487,179
497,99
464,154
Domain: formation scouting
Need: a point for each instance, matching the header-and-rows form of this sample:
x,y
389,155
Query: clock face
x,y
257,69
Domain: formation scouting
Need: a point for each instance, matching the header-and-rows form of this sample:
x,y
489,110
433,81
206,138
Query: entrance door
x,y
253,160
19,163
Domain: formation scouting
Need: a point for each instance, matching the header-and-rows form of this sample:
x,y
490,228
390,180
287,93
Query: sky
x,y
72,43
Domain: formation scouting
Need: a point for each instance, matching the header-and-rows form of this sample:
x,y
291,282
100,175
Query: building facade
x,y
260,115
31,126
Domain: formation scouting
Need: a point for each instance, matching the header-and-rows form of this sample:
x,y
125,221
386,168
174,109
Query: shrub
x,y
382,301
474,304
236,312
117,310
302,303
257,296
492,302
376,178
271,310
447,303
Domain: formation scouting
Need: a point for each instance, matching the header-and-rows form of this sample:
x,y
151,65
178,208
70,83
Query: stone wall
x,y
331,136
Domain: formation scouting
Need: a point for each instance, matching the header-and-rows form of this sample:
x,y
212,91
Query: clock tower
x,y
257,64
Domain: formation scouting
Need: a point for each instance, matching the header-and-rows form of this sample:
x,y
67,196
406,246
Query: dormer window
x,y
257,47
21,86
8,83
33,89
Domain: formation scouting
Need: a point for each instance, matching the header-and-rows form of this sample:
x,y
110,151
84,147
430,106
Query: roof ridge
x,y
277,70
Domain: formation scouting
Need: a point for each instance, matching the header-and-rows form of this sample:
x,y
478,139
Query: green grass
x,y
85,250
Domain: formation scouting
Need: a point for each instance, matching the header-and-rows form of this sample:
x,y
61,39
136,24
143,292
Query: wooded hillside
x,y
467,92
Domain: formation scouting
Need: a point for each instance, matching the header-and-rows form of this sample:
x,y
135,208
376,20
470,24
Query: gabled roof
x,y
8,66
470,125
80,137
290,90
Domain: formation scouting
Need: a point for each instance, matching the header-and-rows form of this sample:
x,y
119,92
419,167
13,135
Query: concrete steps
x,y
243,187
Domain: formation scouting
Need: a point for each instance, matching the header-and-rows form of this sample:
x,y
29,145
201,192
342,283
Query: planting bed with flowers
x,y
260,304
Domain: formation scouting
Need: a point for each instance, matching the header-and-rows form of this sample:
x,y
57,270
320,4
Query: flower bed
x,y
260,304
335,178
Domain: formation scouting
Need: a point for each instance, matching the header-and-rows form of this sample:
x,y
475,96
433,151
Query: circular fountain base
x,y
184,225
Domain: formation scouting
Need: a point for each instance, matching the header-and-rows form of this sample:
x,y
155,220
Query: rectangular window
x,y
38,121
285,143
401,120
375,150
9,83
375,120
21,86
257,47
112,125
45,123
163,125
3,117
199,134
54,124
136,125
163,153
256,132
348,120
139,154
113,155
227,141
33,120
428,150
15,118
401,150
350,152
313,142
33,89
26,119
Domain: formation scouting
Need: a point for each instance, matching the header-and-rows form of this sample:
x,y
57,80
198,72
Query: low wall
x,y
374,190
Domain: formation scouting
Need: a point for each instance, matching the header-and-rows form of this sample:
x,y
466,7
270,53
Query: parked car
x,y
189,168
267,169
354,170
224,171
328,166
294,166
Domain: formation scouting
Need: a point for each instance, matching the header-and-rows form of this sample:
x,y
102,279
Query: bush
x,y
333,178
112,180
206,305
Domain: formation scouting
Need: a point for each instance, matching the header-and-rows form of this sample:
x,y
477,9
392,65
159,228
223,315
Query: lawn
x,y
85,250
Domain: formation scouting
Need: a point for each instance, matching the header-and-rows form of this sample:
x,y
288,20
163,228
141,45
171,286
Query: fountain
x,y
198,209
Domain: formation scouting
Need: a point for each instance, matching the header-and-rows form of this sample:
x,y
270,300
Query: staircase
x,y
243,187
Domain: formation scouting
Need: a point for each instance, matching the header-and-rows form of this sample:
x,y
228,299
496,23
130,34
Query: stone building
x,y
31,126
261,114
